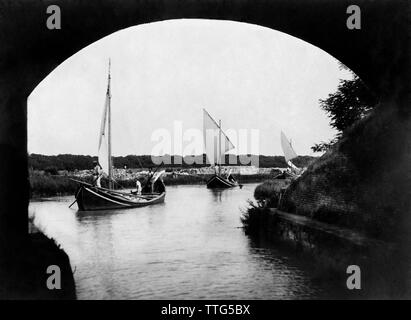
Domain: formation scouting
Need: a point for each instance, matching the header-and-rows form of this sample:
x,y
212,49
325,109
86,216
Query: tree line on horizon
x,y
72,162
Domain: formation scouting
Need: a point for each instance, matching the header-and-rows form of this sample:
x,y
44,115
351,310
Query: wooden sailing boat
x,y
91,197
290,154
216,145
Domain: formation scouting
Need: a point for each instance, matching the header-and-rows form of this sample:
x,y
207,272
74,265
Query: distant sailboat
x,y
289,154
91,197
216,145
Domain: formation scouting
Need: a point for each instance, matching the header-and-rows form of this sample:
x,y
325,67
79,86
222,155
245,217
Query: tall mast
x,y
219,148
110,173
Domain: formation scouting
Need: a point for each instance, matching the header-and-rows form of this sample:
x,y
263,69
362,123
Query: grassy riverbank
x,y
47,185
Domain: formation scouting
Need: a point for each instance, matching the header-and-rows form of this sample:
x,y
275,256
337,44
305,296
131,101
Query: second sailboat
x,y
216,145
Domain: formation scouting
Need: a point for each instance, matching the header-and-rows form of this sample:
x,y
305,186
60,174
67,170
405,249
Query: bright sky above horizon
x,y
164,73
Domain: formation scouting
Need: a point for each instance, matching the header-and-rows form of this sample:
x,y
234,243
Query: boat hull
x,y
90,198
218,182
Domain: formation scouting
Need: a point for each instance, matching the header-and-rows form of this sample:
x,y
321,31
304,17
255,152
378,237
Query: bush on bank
x,y
267,195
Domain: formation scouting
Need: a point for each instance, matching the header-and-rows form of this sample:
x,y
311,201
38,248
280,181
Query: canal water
x,y
190,247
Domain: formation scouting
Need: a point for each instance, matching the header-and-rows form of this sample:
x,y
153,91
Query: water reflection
x,y
217,194
190,247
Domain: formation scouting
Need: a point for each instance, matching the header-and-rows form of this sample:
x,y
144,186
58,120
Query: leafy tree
x,y
351,102
324,146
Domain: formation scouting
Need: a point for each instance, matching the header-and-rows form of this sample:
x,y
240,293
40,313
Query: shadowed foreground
x,y
24,275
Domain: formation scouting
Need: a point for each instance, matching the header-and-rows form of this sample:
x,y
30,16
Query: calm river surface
x,y
190,247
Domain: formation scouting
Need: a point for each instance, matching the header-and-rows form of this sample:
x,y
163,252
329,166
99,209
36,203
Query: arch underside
x,y
376,52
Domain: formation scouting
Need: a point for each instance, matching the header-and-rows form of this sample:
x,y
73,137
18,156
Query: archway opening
x,y
251,77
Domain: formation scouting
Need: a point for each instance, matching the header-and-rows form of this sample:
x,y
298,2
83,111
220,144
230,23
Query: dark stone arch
x,y
379,53
376,52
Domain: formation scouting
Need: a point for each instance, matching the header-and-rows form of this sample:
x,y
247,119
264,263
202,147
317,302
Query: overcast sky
x,y
248,76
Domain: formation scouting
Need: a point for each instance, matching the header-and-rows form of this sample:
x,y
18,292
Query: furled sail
x,y
157,175
103,156
103,141
212,131
288,150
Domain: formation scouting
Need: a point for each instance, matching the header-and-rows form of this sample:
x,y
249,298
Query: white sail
x,y
104,147
288,150
211,131
103,140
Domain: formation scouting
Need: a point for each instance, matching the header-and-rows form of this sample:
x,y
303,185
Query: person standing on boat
x,y
148,185
138,185
97,173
